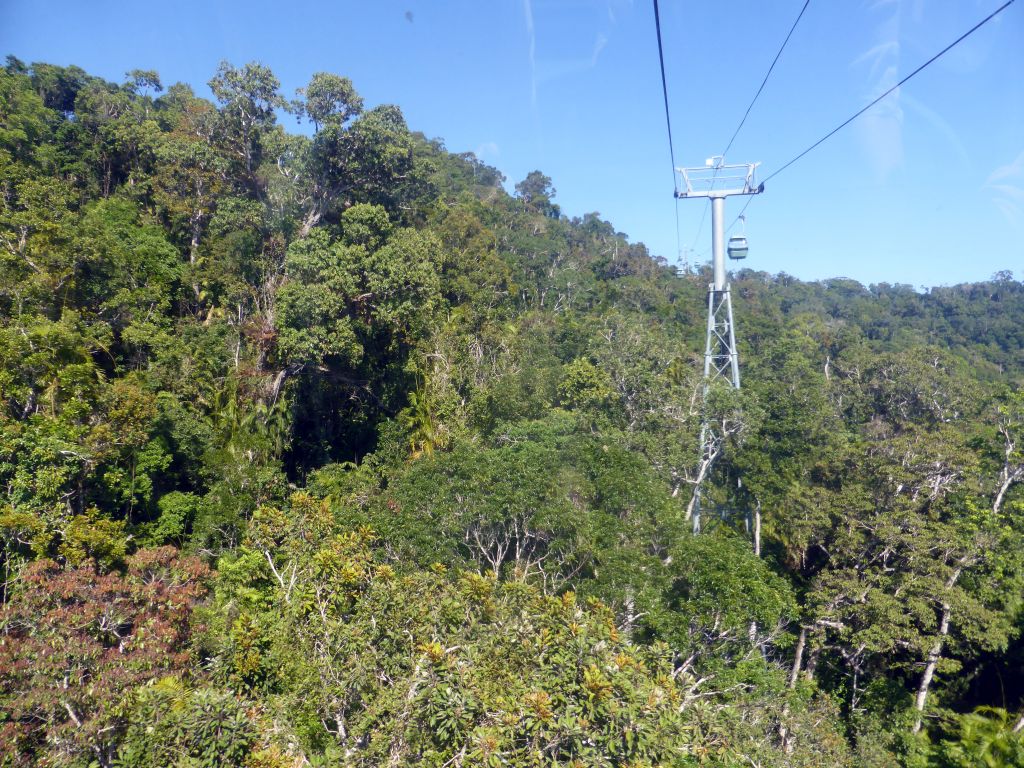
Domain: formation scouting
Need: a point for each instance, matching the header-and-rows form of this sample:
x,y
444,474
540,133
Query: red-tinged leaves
x,y
73,643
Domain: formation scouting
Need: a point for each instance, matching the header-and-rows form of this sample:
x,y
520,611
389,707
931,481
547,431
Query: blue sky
x,y
926,189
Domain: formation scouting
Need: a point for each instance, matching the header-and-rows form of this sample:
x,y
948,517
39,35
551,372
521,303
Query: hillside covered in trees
x,y
322,448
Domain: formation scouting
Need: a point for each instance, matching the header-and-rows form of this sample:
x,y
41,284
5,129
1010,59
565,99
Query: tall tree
x,y
248,97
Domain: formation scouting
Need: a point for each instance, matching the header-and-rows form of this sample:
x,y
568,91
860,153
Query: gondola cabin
x,y
738,247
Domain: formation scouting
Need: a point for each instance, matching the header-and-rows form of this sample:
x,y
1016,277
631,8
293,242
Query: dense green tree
x,y
248,98
330,100
537,192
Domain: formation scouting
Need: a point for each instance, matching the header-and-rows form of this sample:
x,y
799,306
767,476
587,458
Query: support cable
x,y
679,241
860,112
857,114
740,214
668,124
664,91
700,227
765,80
746,114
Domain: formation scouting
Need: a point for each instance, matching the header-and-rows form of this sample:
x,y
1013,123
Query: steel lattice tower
x,y
716,181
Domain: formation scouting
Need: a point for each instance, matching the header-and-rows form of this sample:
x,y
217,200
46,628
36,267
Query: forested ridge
x,y
320,448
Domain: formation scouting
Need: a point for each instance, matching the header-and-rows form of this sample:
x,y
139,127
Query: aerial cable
x,y
740,215
668,122
703,216
938,55
766,76
664,91
679,238
853,117
746,114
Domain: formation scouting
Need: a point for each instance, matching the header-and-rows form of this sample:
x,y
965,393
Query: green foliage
x,y
313,316
90,537
468,664
536,191
440,443
169,725
330,99
585,386
177,512
984,738
724,594
248,98
23,117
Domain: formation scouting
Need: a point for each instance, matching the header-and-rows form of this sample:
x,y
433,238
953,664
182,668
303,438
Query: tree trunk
x,y
193,247
798,657
757,529
629,611
702,473
812,663
1009,479
929,669
1010,474
196,224
311,220
1020,724
935,653
275,386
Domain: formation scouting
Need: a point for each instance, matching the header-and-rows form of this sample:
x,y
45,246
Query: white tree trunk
x,y
1009,479
702,473
757,529
934,654
929,669
798,657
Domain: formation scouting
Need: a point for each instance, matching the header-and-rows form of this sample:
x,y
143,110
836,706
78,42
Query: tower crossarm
x,y
716,179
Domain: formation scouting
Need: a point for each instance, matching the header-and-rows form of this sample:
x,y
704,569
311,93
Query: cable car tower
x,y
717,181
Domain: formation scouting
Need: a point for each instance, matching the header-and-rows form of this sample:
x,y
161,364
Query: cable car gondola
x,y
738,247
